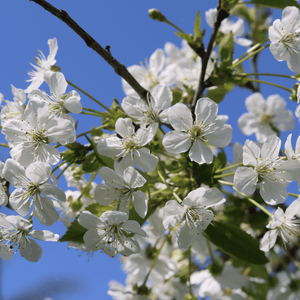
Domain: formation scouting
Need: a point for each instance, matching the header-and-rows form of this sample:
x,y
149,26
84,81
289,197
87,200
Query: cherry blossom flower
x,y
237,27
3,195
30,184
208,128
14,110
265,117
127,149
192,213
265,170
29,138
154,110
122,187
60,104
150,75
16,231
109,232
283,224
285,38
43,64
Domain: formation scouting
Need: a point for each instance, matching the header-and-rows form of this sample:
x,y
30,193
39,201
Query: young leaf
x,y
226,49
97,209
217,94
197,26
276,3
93,162
74,233
235,242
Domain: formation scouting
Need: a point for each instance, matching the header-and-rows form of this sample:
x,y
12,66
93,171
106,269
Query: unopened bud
x,y
155,14
55,68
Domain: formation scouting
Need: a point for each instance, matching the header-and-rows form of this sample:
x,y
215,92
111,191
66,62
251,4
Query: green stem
x,y
190,271
210,252
268,74
173,25
63,170
253,48
226,182
228,168
294,195
266,82
4,145
91,97
164,181
82,134
223,175
58,166
254,202
154,261
238,61
88,185
91,110
86,113
158,191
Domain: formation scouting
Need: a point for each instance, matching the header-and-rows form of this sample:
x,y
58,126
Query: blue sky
x,y
133,36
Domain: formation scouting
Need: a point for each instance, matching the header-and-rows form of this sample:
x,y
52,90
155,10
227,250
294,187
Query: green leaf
x,y
93,162
235,242
185,36
217,94
176,96
97,209
220,160
74,233
96,131
277,3
197,26
226,49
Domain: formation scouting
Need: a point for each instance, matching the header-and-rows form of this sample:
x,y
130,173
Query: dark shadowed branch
x,y
119,68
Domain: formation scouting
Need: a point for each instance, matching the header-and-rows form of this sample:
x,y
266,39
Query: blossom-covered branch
x,y
119,68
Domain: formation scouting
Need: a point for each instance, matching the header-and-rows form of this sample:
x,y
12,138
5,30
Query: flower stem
x,y
86,113
82,134
266,82
91,97
225,182
255,203
88,184
268,74
294,195
190,270
241,60
91,110
164,181
63,170
228,168
58,166
4,145
154,261
223,175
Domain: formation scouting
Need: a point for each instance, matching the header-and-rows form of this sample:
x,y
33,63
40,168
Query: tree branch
x,y
119,68
221,15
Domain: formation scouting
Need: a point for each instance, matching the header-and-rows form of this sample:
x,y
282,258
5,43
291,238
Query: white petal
x,y
177,142
133,178
201,153
273,193
89,221
180,117
44,211
268,240
173,214
245,180
110,147
156,62
53,192
206,111
44,235
140,203
19,203
72,103
38,172
133,226
144,160
57,83
30,249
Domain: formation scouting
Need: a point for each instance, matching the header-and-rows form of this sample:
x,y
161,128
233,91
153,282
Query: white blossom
x,y
283,224
285,38
127,149
208,128
109,232
30,184
265,117
122,187
150,75
16,231
30,137
237,27
43,64
192,213
265,170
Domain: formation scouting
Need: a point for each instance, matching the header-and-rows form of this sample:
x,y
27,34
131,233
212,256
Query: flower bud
x,y
155,14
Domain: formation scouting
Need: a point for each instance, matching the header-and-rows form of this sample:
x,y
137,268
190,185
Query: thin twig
x,y
119,68
221,15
